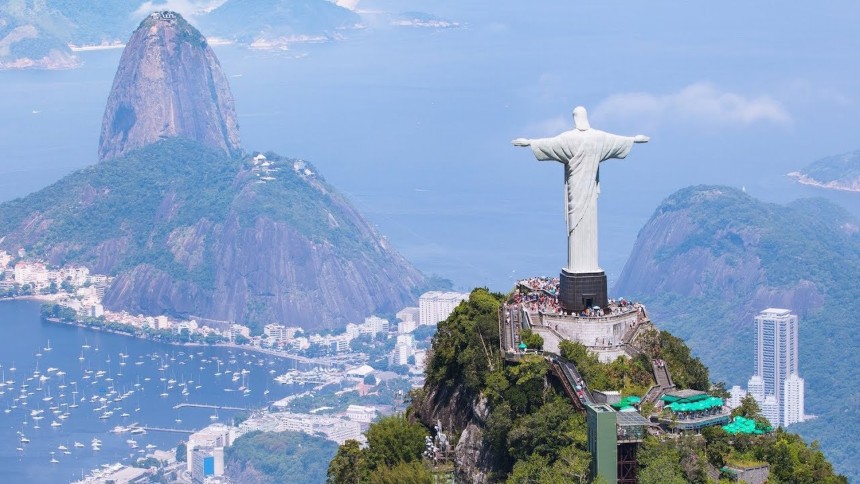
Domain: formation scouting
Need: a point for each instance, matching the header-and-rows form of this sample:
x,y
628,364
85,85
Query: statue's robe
x,y
581,151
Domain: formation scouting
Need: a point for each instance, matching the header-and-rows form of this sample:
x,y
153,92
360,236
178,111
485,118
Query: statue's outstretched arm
x,y
522,142
641,138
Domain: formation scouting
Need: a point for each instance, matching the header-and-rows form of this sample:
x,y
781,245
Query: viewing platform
x,y
609,332
692,410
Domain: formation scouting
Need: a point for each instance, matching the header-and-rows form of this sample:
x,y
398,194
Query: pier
x,y
203,405
162,429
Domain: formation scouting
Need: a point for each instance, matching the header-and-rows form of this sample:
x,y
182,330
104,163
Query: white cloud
x,y
348,4
700,103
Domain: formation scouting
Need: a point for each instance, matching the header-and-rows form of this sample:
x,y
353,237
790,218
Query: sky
x,y
414,124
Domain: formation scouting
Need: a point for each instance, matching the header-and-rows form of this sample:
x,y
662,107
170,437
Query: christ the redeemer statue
x,y
581,150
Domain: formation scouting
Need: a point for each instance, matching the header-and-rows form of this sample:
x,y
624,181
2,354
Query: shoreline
x,y
95,47
78,324
832,185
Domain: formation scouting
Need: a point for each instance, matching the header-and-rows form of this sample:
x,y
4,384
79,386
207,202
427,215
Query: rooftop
x,y
775,312
631,419
686,395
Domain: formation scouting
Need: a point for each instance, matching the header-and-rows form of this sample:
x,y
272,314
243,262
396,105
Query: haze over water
x,y
415,124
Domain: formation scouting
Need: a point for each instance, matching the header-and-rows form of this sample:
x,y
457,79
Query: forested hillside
x,y
511,423
712,257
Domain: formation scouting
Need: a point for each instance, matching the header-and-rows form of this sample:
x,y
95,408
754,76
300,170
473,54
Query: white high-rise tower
x,y
776,359
792,400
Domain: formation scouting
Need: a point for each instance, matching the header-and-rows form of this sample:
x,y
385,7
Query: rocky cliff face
x,y
462,414
188,231
169,84
191,229
706,241
710,258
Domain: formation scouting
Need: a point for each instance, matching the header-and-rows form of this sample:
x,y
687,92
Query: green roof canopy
x,y
696,406
627,402
741,425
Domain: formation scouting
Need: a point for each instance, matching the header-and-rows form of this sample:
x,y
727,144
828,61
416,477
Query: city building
x,y
410,314
755,387
435,306
404,349
361,413
34,273
206,462
276,333
770,408
776,358
161,322
237,330
792,400
215,435
404,327
374,325
737,394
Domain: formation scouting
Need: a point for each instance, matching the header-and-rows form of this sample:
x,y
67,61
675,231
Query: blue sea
x,y
414,126
74,366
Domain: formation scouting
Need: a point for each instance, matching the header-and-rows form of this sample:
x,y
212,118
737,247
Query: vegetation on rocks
x,y
393,454
278,457
531,432
729,256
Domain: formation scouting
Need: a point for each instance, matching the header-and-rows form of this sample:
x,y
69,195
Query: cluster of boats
x,y
314,376
106,385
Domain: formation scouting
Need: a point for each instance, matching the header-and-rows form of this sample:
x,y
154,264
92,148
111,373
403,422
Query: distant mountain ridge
x,y
37,33
711,257
25,45
192,227
839,172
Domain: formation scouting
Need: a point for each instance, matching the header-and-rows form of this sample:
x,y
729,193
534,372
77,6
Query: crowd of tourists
x,y
546,284
537,302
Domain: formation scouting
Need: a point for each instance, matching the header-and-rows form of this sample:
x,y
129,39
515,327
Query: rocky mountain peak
x,y
169,84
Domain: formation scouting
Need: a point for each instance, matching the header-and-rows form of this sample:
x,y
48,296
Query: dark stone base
x,y
580,291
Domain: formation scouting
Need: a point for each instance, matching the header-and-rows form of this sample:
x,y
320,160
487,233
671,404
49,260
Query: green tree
x,y
719,390
276,456
414,472
660,463
532,340
547,431
527,383
533,470
718,445
181,452
749,408
571,467
393,440
465,346
348,464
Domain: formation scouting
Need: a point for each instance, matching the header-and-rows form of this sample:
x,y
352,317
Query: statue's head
x,y
580,118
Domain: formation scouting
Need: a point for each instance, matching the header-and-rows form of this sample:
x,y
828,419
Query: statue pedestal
x,y
580,291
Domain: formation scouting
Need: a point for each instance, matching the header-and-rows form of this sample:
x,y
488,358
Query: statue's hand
x,y
521,142
641,138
